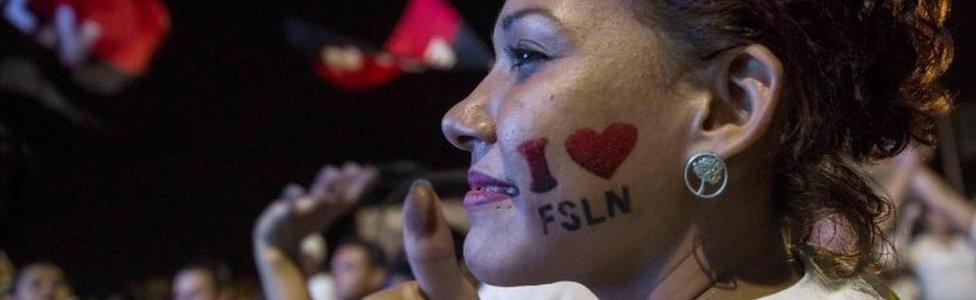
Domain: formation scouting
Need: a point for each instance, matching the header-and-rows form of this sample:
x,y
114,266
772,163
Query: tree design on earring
x,y
710,170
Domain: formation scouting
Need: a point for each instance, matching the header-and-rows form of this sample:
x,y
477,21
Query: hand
x,y
71,39
299,212
430,251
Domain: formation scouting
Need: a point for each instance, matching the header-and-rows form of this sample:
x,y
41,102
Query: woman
x,y
681,149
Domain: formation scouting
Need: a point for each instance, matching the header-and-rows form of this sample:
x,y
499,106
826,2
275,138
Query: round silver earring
x,y
710,172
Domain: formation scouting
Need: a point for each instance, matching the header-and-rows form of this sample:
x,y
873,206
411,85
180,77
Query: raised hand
x,y
70,37
75,37
430,251
301,212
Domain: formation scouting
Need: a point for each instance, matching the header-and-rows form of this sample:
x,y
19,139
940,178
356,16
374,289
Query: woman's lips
x,y
486,189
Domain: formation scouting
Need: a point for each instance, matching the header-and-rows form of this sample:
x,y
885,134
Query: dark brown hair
x,y
863,85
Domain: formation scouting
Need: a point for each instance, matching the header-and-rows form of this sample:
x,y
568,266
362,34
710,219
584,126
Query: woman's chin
x,y
506,258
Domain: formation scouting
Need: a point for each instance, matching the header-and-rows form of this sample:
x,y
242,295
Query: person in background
x,y
154,289
359,268
321,285
939,197
42,280
7,272
203,281
943,260
942,253
300,212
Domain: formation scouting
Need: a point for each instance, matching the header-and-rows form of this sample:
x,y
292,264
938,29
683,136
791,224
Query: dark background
x,y
228,114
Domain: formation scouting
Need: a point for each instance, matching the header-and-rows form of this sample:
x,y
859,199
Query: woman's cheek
x,y
567,181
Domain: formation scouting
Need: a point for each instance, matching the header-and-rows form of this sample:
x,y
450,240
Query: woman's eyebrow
x,y
511,18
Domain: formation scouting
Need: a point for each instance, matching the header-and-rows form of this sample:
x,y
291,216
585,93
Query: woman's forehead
x,y
577,19
564,10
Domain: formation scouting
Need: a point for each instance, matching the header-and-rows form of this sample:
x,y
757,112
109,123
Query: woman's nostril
x,y
465,141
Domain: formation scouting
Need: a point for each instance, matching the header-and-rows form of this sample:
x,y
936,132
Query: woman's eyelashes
x,y
525,60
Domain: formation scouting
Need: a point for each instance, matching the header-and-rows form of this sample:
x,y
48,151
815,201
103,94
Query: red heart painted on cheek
x,y
602,154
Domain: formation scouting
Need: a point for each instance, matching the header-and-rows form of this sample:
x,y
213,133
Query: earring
x,y
711,173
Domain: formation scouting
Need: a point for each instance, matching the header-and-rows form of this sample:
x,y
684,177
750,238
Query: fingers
x,y
343,188
430,247
359,179
325,180
266,230
348,184
16,12
334,191
292,191
90,32
69,43
331,195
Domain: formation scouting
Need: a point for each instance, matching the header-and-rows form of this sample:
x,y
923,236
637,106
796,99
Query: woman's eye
x,y
525,60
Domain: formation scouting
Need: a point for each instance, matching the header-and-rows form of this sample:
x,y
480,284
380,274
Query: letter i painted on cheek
x,y
534,152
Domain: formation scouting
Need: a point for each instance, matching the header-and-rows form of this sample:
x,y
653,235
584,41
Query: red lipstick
x,y
486,189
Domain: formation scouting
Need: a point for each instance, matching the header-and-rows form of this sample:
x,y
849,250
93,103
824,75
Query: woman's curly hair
x,y
863,84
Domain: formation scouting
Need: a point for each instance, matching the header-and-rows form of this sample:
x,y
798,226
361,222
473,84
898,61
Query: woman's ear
x,y
746,84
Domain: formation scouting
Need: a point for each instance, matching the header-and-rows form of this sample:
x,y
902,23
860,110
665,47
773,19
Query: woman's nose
x,y
470,122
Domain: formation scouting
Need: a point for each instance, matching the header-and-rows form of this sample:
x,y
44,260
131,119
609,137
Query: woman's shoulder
x,y
820,281
812,287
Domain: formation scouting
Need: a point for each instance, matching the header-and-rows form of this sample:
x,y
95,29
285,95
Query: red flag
x,y
352,68
429,35
130,30
425,25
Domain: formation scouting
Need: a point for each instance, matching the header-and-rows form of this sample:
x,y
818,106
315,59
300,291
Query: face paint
x,y
546,218
534,152
573,221
590,219
602,154
569,218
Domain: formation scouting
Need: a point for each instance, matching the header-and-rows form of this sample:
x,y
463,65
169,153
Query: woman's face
x,y
578,138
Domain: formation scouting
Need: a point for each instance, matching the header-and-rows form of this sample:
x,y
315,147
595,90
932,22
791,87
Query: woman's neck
x,y
734,250
753,267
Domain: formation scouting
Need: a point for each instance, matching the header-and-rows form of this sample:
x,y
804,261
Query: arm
x,y
937,195
282,226
901,238
898,181
281,278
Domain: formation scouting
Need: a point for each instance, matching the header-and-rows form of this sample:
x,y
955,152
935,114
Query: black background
x,y
228,114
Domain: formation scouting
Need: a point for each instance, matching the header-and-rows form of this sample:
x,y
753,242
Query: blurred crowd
x,y
932,252
367,257
932,229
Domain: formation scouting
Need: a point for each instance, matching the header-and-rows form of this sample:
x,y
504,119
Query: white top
x,y
322,287
944,270
820,280
815,284
555,291
972,232
811,287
